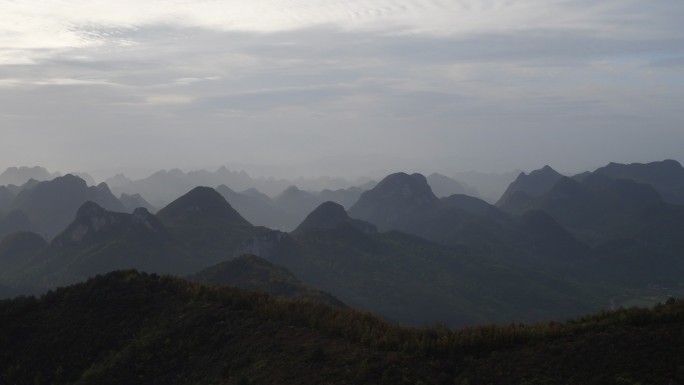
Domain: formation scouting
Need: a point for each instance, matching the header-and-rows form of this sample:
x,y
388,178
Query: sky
x,y
343,87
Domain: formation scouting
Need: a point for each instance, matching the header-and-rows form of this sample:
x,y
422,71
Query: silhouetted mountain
x,y
257,208
250,272
396,196
207,225
201,202
410,280
667,177
456,220
406,203
443,186
15,220
635,235
164,186
132,202
6,197
346,197
132,328
596,204
330,215
20,175
99,241
14,189
52,205
551,239
535,184
297,204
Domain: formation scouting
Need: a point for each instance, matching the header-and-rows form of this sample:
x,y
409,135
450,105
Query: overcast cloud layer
x,y
417,84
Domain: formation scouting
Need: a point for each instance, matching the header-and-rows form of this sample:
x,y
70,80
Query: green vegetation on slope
x,y
134,328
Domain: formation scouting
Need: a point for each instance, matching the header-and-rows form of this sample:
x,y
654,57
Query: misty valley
x,y
218,277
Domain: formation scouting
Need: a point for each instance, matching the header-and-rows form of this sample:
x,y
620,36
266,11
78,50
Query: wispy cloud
x,y
439,72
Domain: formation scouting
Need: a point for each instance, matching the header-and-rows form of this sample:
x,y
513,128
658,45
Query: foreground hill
x,y
134,328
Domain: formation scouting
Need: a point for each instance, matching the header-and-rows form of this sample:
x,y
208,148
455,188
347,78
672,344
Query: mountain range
x,y
552,247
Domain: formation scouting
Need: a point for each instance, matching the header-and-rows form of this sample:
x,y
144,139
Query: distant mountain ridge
x,y
164,186
666,176
20,175
51,205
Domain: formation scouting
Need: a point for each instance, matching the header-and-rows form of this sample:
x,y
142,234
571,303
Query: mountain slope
x,y
132,202
410,280
99,241
666,176
16,250
250,272
533,184
52,205
406,203
204,223
296,204
396,196
6,197
15,220
134,328
330,215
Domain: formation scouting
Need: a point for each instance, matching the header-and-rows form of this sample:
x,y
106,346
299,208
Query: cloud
x,y
436,76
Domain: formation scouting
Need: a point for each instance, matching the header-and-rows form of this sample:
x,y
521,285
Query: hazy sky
x,y
310,84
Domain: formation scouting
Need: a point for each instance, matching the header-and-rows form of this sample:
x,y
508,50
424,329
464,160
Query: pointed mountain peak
x,y
69,179
94,221
90,218
546,171
412,187
534,184
104,187
326,216
394,197
329,215
290,191
203,202
89,210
